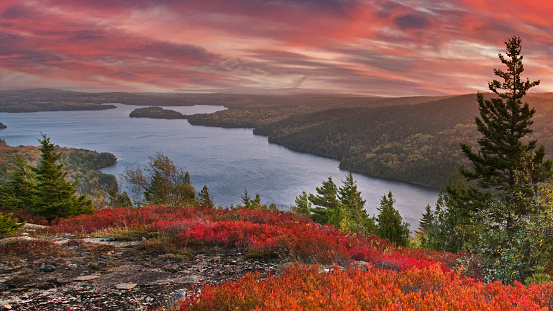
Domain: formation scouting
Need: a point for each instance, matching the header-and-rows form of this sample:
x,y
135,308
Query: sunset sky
x,y
369,47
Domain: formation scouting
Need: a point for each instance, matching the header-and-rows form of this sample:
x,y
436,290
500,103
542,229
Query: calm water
x,y
228,161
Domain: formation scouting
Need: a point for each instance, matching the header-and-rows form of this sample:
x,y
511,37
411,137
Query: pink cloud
x,y
360,46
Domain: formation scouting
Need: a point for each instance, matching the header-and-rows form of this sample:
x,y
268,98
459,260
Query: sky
x,y
365,47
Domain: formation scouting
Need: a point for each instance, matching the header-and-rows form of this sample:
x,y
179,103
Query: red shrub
x,y
304,288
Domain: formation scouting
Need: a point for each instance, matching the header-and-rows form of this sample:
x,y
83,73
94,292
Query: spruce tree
x,y
327,206
205,197
54,196
303,205
256,203
354,214
507,165
9,225
17,191
427,219
246,199
390,223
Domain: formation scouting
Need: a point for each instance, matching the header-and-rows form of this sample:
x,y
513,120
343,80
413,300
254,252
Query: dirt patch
x,y
111,275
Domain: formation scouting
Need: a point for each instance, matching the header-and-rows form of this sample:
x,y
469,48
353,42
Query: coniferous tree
x,y
54,196
205,197
341,207
256,203
303,205
246,199
426,225
118,199
427,219
250,203
17,191
354,216
9,225
507,166
327,206
503,199
450,225
390,223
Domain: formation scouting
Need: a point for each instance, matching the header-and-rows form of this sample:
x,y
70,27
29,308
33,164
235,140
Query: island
x,y
19,107
156,113
2,126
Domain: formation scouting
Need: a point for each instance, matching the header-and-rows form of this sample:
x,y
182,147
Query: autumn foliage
x,y
394,277
305,288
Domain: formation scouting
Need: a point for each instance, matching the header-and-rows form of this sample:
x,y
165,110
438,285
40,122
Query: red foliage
x,y
397,278
286,234
130,218
302,288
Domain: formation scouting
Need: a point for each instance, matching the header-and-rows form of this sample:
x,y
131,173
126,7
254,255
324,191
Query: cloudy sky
x,y
371,47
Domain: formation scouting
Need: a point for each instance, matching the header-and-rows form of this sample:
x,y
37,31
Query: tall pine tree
x,y
54,196
507,166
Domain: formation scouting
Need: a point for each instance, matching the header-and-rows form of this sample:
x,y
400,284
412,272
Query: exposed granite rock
x,y
126,276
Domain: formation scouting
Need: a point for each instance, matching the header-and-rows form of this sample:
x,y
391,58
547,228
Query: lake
x,y
228,161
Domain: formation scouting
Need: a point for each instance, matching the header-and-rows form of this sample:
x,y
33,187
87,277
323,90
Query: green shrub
x,y
9,225
538,277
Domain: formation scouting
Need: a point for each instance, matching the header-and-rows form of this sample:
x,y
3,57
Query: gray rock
x,y
47,268
362,265
126,286
172,302
86,278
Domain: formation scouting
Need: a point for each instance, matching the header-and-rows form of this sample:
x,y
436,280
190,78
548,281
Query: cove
x,y
228,161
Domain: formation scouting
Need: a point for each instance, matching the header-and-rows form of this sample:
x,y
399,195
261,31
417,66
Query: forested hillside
x,y
412,139
253,111
81,164
413,143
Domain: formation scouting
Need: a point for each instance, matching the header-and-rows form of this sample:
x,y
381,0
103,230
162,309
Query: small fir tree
x,y
246,199
17,191
205,197
9,225
303,205
353,206
450,226
256,203
327,206
390,222
427,219
54,196
250,203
